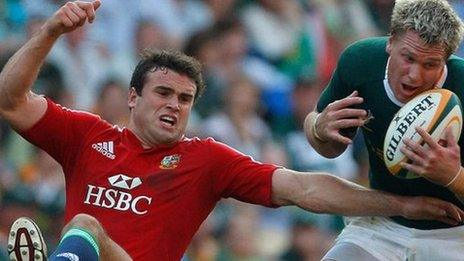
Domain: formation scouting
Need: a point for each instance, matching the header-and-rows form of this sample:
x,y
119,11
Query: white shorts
x,y
387,240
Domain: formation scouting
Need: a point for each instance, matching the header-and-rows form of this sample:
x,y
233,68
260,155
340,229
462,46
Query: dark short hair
x,y
154,59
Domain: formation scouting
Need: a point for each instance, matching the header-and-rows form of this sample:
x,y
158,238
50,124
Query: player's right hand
x,y
71,16
338,116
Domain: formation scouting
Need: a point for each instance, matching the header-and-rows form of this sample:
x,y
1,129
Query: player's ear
x,y
388,48
132,98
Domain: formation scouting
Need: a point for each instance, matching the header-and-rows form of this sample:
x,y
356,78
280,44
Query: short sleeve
x,y
239,176
61,131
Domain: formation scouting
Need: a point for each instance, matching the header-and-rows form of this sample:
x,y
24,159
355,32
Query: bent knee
x,y
86,222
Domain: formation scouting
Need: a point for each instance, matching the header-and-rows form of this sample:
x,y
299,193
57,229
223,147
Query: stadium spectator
x,y
239,124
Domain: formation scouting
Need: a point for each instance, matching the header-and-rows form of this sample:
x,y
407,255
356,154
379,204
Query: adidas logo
x,y
105,148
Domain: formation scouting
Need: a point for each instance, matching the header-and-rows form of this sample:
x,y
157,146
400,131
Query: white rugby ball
x,y
433,111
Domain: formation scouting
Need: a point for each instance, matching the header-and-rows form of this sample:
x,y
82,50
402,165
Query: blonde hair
x,y
434,20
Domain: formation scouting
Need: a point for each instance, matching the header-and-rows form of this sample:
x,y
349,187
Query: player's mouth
x,y
168,121
409,89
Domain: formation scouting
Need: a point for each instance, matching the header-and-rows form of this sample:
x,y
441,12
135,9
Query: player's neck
x,y
145,142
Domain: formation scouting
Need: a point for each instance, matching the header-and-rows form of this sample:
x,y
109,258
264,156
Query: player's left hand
x,y
438,162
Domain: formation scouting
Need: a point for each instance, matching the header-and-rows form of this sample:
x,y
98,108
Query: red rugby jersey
x,y
150,201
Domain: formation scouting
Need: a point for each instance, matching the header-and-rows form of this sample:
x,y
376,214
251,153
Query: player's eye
x,y
186,98
163,91
408,58
431,65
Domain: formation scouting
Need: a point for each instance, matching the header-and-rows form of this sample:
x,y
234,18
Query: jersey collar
x,y
132,141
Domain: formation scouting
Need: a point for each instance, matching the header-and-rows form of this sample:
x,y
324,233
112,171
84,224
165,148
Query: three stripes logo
x,y
105,148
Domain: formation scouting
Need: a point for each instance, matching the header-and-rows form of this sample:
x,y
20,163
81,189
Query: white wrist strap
x,y
316,135
455,178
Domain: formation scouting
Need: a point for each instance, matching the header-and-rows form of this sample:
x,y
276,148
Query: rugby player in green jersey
x,y
373,79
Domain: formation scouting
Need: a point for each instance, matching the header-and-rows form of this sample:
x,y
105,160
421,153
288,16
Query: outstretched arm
x,y
324,193
18,104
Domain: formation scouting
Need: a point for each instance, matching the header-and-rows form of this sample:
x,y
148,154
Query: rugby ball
x,y
433,111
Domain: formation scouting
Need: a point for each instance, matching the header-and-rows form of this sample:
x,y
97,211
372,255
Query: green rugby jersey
x,y
362,67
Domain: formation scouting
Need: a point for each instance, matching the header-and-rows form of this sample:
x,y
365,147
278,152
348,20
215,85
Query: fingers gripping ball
x,y
433,111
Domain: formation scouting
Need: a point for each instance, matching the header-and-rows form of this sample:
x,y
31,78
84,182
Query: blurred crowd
x,y
265,63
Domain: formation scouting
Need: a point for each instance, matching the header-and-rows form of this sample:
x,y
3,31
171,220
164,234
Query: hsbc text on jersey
x,y
115,199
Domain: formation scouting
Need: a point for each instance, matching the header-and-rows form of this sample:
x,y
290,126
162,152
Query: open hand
x,y
337,116
437,161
